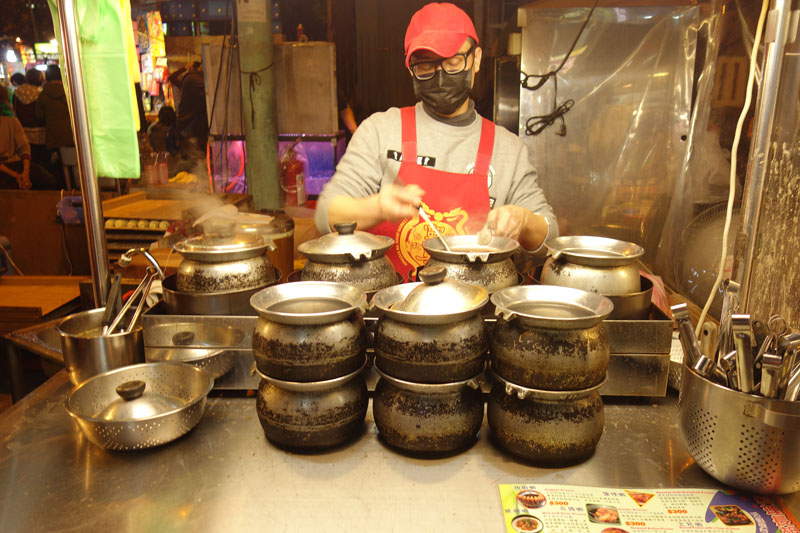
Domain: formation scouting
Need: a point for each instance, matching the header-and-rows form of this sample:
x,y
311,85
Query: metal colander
x,y
743,440
140,406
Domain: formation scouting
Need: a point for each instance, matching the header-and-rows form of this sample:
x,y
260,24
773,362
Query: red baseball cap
x,y
440,28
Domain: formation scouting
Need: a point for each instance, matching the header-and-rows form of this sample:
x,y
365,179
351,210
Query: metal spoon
x,y
424,217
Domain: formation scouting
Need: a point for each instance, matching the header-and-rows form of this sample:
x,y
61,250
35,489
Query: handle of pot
x,y
478,257
130,390
345,228
785,421
505,314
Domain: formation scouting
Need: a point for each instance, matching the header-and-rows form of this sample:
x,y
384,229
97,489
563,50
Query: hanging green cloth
x,y
109,90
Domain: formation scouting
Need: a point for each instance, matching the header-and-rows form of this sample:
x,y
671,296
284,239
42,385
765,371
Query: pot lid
x,y
467,249
215,248
594,251
308,302
551,306
436,300
346,245
137,402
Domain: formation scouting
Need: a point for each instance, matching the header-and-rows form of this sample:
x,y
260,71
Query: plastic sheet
x,y
108,85
630,76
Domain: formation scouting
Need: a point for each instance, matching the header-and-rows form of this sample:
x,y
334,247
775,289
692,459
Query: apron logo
x,y
422,160
412,232
489,174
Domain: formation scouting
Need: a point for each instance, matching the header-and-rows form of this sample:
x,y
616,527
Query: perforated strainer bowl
x,y
743,440
140,406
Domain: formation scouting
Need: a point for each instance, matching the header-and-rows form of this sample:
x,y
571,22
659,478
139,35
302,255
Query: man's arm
x,y
356,192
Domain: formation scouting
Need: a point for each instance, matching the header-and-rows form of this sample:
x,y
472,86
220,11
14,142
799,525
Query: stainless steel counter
x,y
225,476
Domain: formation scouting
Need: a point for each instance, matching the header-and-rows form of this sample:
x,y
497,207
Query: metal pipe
x,y
90,194
777,28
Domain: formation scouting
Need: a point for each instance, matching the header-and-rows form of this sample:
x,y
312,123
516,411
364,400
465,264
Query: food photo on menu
x,y
602,514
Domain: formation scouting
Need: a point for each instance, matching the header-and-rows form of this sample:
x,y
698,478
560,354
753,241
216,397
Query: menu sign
x,y
573,509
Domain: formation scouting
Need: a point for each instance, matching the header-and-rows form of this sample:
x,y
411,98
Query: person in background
x,y
25,97
464,171
16,169
52,108
17,80
159,130
191,126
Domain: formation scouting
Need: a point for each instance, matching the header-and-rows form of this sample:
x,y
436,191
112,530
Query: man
x,y
191,126
460,168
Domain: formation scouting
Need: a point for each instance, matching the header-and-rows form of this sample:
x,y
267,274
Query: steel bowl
x,y
236,302
467,249
140,406
549,306
594,251
223,248
308,302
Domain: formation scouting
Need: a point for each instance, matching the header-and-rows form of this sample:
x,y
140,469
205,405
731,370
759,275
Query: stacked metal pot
x,y
549,355
310,347
219,273
488,265
602,265
430,349
348,256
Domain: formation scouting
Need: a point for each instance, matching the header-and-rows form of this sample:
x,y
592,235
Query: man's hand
x,y
508,220
397,203
24,179
518,223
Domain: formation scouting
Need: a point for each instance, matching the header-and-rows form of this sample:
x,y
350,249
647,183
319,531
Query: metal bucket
x,y
743,440
87,353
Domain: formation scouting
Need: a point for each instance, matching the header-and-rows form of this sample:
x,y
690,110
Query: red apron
x,y
456,203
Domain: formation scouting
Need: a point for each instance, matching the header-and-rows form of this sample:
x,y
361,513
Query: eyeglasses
x,y
425,70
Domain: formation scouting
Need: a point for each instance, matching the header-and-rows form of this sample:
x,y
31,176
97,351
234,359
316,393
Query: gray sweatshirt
x,y
373,156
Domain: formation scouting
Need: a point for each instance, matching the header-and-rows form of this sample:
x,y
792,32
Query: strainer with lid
x,y
140,406
743,440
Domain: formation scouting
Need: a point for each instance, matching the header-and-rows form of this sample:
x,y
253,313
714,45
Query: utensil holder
x,y
743,440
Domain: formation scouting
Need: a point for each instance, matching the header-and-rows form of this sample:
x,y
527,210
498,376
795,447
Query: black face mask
x,y
444,93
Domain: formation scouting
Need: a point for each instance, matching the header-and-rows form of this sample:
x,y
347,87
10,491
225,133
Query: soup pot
x,y
549,337
316,415
595,264
487,265
218,263
431,332
348,256
545,426
309,330
424,418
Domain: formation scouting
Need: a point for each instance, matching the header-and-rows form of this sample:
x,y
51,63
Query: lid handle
x,y
183,338
130,390
432,275
345,228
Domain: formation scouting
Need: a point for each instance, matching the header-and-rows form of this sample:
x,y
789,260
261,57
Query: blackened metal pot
x,y
552,427
348,256
312,416
427,419
309,331
435,353
550,338
220,263
309,353
489,266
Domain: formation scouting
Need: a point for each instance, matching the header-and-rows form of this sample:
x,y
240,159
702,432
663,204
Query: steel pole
x,y
92,207
776,31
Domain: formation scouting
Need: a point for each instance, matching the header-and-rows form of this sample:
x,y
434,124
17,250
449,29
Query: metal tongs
x,y
143,289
